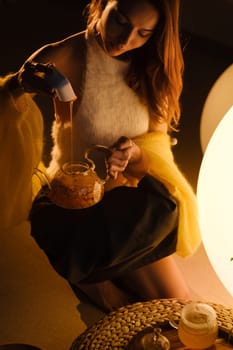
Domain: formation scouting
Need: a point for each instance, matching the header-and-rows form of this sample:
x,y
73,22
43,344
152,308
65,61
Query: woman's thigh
x,y
160,279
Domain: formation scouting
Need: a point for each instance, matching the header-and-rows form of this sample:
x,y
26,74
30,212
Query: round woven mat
x,y
114,331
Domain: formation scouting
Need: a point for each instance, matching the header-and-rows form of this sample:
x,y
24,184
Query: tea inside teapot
x,y
76,186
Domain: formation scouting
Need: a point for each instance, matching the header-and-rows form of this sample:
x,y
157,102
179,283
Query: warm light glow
x,y
218,102
215,199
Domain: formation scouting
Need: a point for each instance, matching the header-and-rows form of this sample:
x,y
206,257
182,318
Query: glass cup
x,y
197,327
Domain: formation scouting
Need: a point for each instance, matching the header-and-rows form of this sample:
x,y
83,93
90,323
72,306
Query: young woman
x,y
126,71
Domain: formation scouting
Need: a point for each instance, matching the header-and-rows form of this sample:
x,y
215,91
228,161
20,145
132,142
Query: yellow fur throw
x,y
21,137
159,162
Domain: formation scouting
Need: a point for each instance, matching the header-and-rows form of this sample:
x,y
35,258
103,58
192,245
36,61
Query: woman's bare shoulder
x,y
73,39
73,44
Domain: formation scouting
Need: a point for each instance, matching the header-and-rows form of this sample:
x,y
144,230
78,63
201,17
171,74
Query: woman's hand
x,y
34,78
123,152
31,78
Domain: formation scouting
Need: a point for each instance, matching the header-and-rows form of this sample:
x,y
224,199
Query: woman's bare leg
x,y
105,295
161,279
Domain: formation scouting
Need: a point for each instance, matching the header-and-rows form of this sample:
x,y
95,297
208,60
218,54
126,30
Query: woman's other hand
x,y
123,152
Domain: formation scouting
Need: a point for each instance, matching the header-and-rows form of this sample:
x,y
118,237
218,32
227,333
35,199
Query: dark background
x,y
206,33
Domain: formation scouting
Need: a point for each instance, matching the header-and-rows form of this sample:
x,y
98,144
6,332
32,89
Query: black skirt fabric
x,y
129,228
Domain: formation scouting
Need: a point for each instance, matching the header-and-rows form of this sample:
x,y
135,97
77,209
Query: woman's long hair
x,y
156,69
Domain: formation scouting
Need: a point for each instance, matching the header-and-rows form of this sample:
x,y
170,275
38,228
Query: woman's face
x,y
126,25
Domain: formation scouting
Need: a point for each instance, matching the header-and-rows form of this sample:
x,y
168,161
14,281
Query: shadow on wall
x,y
209,19
26,25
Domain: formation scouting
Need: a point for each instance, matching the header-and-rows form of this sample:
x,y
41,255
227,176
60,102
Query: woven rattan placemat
x,y
114,331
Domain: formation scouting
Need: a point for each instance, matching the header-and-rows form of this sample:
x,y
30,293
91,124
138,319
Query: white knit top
x,y
109,109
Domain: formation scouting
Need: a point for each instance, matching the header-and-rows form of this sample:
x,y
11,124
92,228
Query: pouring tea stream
x,y
75,185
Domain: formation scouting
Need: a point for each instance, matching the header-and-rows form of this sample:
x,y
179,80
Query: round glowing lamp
x,y
215,200
218,102
215,181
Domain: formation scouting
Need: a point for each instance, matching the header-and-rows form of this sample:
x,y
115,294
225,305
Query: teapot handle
x,y
43,177
101,148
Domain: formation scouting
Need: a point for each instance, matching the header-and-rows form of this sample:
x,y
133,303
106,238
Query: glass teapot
x,y
76,185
